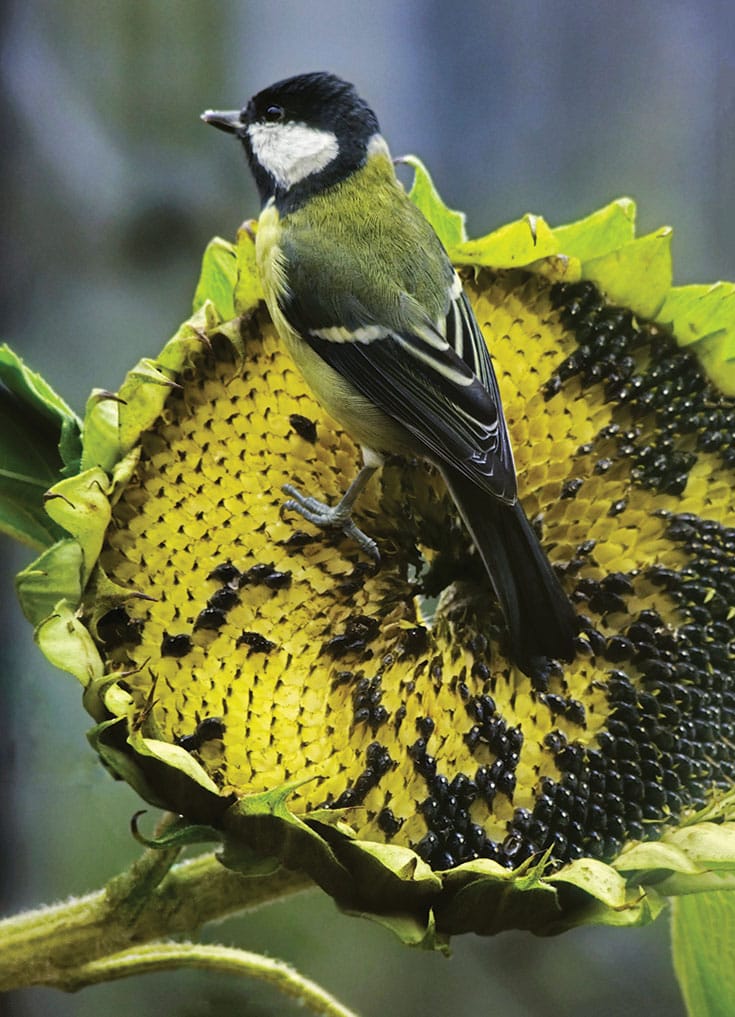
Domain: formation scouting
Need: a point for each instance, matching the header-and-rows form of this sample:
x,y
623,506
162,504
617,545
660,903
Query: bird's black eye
x,y
274,113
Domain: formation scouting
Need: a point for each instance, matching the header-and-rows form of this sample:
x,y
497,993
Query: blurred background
x,y
110,190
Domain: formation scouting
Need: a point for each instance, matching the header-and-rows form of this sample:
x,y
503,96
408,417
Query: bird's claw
x,y
329,517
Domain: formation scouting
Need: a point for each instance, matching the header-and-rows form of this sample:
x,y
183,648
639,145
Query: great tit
x,y
365,298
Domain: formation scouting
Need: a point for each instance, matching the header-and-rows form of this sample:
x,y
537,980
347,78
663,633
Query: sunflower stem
x,y
42,947
165,956
131,889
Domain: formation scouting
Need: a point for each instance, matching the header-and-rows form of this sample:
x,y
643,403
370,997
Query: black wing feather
x,y
440,386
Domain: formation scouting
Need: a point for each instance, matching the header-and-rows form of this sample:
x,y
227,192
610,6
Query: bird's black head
x,y
301,135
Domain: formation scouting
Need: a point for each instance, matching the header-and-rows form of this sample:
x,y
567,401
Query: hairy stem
x,y
164,956
149,901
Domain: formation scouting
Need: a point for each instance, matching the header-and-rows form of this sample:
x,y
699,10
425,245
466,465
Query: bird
x,y
364,296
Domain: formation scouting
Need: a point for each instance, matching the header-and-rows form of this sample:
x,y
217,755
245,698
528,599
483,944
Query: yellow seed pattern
x,y
294,662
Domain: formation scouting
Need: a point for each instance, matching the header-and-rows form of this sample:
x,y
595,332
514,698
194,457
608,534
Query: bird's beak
x,y
229,120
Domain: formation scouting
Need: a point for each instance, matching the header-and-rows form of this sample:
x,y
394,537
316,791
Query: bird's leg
x,y
339,516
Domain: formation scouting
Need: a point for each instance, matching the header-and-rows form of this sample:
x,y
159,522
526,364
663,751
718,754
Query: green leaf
x,y
31,388
20,520
448,225
27,468
703,933
70,445
34,422
599,233
218,277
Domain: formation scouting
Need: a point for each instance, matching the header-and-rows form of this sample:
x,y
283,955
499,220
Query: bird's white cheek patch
x,y
292,152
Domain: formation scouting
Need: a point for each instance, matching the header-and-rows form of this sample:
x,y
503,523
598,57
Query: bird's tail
x,y
540,619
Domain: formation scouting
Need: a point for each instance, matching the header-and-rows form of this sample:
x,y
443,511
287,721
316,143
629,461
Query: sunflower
x,y
262,681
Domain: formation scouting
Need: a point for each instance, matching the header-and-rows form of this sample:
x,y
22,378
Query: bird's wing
x,y
464,336
441,389
422,361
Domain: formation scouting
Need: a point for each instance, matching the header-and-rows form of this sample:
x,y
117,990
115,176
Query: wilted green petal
x,y
482,897
177,834
721,806
55,576
81,505
409,930
391,871
248,290
652,855
611,899
637,275
448,224
711,845
597,879
698,311
603,231
108,741
514,246
67,644
642,908
217,278
101,430
264,824
697,858
704,315
173,756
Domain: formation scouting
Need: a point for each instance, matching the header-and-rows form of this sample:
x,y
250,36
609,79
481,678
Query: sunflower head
x,y
258,677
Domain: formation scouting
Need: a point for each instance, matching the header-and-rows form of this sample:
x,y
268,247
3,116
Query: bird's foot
x,y
329,517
